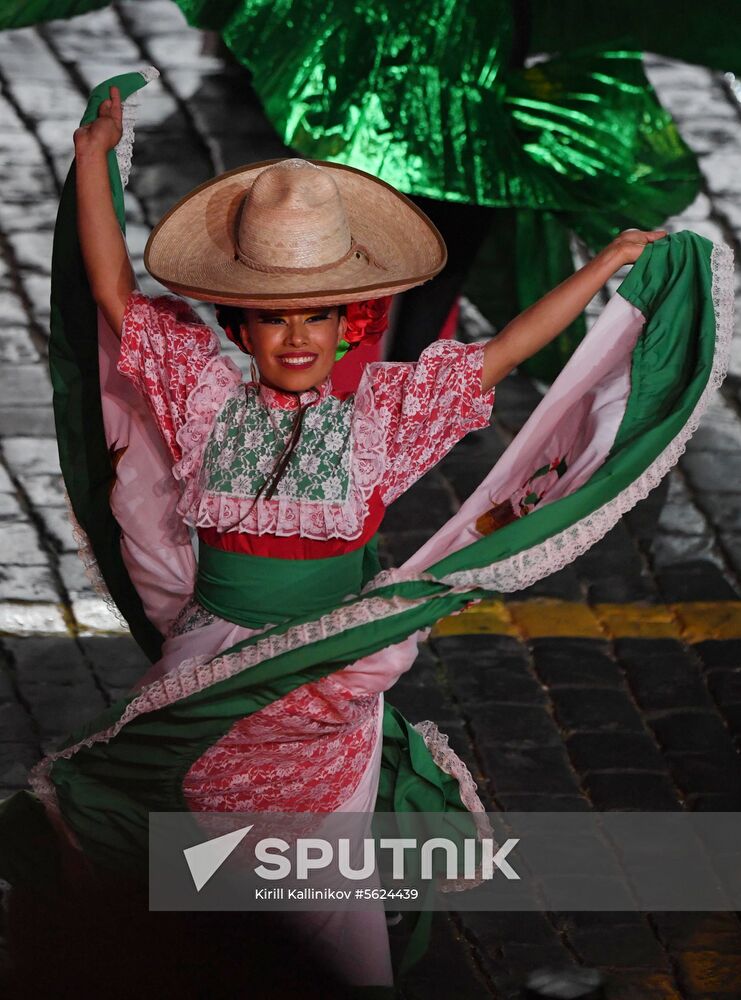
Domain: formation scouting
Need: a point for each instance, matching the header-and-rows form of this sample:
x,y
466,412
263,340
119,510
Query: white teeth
x,y
298,361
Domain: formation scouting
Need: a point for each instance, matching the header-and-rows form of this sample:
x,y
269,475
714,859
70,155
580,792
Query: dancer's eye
x,y
271,320
319,318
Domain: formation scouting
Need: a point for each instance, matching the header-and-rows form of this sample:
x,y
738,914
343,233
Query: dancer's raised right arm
x,y
107,264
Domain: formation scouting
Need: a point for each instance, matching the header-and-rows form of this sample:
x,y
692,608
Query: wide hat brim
x,y
192,248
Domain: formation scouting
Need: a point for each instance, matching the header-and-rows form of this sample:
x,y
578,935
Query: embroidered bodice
x,y
355,454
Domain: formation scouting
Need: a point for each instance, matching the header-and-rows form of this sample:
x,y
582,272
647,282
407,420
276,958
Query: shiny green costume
x,y
427,95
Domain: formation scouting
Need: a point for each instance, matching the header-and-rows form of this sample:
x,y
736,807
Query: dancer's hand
x,y
105,132
540,323
109,273
629,245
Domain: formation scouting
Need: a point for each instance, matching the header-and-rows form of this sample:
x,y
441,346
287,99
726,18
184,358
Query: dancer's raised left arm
x,y
545,319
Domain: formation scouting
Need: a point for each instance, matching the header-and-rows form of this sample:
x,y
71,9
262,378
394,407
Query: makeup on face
x,y
295,348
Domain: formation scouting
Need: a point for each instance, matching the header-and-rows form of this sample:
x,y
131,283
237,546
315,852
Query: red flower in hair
x,y
367,321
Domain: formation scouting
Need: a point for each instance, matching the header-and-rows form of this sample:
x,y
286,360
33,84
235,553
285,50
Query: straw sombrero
x,y
293,232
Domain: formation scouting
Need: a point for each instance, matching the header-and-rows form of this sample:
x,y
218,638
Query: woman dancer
x,y
268,693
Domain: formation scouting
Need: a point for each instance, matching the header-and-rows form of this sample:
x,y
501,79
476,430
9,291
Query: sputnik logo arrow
x,y
205,859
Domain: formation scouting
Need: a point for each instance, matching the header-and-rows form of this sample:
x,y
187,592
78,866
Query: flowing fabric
x,y
429,96
613,424
617,418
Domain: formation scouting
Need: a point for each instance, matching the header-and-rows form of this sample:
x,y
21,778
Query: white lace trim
x,y
200,672
448,761
129,113
280,516
90,563
526,568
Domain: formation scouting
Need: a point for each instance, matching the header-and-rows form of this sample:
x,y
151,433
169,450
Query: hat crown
x,y
293,218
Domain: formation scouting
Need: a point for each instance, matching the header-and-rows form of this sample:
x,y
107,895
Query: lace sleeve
x,y
426,408
165,347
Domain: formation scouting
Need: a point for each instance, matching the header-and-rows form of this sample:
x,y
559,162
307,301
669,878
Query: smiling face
x,y
294,348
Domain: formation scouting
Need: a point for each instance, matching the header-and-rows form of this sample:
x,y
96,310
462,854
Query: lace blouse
x,y
356,455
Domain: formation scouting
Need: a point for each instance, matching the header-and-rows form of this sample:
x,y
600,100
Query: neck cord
x,y
270,485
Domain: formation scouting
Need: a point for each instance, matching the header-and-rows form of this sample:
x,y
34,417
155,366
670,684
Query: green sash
x,y
255,591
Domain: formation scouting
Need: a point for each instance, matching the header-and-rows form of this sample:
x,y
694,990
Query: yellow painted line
x,y
690,621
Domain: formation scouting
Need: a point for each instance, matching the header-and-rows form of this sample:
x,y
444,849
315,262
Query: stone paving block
x,y
695,582
20,544
31,618
528,728
642,520
536,771
27,583
117,661
428,505
16,347
612,588
614,752
707,773
490,928
464,477
24,47
76,39
725,686
11,309
58,711
73,574
10,508
577,663
679,513
36,421
19,149
691,731
732,716
631,790
709,975
564,584
94,614
38,289
522,959
16,760
38,101
44,490
32,250
596,710
678,930
23,214
447,960
47,660
731,543
723,510
623,947
489,651
669,549
476,686
429,702
15,724
59,529
646,985
32,456
398,546
534,802
660,683
6,483
719,653
707,474
18,185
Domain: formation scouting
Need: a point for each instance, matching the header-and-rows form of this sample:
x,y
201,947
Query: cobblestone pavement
x,y
615,683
